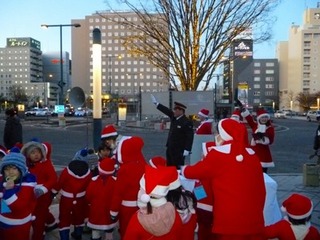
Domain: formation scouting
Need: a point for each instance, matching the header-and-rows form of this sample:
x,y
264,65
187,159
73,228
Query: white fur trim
x,y
239,158
202,115
263,115
223,148
105,172
145,198
250,151
119,148
224,135
109,135
246,113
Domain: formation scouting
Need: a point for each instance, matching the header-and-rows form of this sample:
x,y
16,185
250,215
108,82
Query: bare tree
x,y
18,94
306,100
187,39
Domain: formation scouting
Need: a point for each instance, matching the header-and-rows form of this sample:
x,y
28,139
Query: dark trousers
x,y
174,157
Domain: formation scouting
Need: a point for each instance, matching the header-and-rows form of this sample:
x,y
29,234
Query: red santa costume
x,y
236,115
132,163
157,161
262,137
235,176
156,218
205,126
72,184
297,207
98,195
17,203
46,179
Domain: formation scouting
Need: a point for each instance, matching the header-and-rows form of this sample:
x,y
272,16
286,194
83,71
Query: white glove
x,y
154,100
186,153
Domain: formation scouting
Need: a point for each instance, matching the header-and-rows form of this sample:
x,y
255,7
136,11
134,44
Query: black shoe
x,y
76,237
51,228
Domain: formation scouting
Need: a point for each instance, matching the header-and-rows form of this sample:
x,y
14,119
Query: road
x,y
291,149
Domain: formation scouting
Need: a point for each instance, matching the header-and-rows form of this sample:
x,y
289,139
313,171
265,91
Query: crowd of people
x,y
223,196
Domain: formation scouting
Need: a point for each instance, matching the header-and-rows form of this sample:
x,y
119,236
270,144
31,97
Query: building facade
x,y
123,74
299,59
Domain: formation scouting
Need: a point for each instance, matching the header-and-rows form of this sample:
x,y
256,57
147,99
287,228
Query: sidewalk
x,y
287,184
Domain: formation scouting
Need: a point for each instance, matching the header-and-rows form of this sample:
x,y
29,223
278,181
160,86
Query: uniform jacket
x,y
262,148
180,134
98,195
237,186
283,230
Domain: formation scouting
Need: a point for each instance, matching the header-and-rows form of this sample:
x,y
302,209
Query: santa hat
x,y
156,183
206,147
107,166
230,129
108,131
236,115
297,206
15,158
130,149
32,145
204,112
262,113
157,161
3,151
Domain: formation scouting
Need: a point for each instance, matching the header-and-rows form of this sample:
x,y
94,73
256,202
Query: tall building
x,y
21,66
122,73
254,81
299,59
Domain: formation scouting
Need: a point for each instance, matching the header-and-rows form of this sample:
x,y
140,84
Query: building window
x,y
306,67
256,79
269,79
256,100
256,71
269,71
306,75
257,64
269,86
269,93
307,35
306,59
270,64
256,85
306,51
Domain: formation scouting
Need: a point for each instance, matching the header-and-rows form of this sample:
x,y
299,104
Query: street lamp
x,y
61,82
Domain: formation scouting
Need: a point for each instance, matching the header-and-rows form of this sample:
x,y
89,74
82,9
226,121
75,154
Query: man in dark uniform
x,y
180,137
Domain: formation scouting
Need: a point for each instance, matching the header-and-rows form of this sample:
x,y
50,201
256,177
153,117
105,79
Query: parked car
x,y
30,112
81,112
280,114
41,112
313,115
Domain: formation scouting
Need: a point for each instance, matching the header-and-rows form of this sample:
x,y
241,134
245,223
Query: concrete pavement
x,y
287,184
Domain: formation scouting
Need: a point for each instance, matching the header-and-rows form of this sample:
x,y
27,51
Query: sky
x,y
22,18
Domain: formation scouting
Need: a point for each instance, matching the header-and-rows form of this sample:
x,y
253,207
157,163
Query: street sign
x,y
59,108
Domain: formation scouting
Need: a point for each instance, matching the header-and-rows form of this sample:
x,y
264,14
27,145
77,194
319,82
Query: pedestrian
x,y
180,137
12,130
296,224
156,218
110,138
205,126
131,169
262,136
103,152
38,156
235,175
17,197
72,185
98,195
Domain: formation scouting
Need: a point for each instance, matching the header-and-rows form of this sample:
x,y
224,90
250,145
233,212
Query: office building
x,y
123,74
299,59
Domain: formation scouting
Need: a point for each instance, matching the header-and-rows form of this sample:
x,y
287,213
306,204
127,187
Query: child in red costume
x,y
98,195
205,126
72,185
132,163
17,197
39,163
157,218
235,176
296,225
262,136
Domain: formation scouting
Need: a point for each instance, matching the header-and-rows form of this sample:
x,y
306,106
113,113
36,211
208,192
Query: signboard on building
x,y
23,42
242,47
